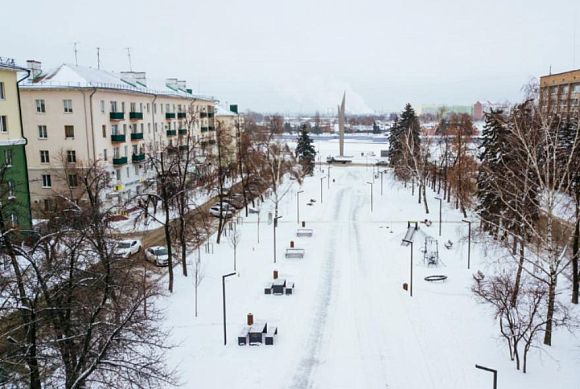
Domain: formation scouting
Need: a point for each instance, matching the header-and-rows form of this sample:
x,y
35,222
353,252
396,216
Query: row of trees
x,y
73,315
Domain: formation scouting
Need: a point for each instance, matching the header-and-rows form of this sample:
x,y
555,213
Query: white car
x,y
227,210
158,255
127,248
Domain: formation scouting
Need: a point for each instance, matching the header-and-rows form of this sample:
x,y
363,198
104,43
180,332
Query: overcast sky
x,y
299,55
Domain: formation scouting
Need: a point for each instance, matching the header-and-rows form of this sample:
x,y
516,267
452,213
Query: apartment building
x,y
560,93
74,115
14,193
230,122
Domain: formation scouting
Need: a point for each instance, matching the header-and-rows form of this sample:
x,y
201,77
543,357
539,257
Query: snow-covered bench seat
x,y
295,253
269,337
243,337
307,232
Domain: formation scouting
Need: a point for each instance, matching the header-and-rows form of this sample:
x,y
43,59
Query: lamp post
x,y
491,371
224,302
468,244
328,186
275,224
371,184
321,179
411,276
440,202
381,173
298,206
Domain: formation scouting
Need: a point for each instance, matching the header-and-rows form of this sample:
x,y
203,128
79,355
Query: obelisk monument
x,y
341,109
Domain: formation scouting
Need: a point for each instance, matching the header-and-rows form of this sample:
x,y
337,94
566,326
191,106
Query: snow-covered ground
x,y
349,323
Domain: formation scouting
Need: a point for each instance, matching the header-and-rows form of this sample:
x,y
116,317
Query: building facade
x,y
14,191
75,115
560,93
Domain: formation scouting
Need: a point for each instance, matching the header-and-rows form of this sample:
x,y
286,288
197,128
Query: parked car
x,y
237,200
227,210
382,163
127,248
158,255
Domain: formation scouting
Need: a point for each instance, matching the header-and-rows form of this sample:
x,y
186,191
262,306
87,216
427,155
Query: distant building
x,y
14,193
435,110
76,114
560,93
477,111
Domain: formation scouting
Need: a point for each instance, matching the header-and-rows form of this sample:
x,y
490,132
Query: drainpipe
x,y
92,123
25,143
153,118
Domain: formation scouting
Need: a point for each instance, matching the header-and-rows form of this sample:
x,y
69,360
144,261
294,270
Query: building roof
x,y
222,111
9,64
76,76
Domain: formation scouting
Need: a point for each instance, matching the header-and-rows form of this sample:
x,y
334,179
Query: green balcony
x,y
169,115
211,128
171,132
210,114
181,115
118,138
182,131
135,115
204,129
138,157
119,161
203,115
183,147
136,135
117,115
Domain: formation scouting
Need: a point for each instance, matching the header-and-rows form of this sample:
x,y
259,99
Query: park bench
x,y
269,337
307,232
243,337
294,253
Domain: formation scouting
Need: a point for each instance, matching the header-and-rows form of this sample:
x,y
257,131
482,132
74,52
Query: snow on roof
x,y
222,111
76,76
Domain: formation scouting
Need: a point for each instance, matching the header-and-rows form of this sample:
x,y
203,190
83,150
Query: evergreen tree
x,y
305,151
408,123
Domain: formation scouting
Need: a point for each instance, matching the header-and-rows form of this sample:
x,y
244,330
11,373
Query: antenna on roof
x,y
76,53
98,57
550,70
129,56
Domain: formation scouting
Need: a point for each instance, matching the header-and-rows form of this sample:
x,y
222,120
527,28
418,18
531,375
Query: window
x,y
133,107
40,107
122,106
46,204
71,156
8,157
128,172
124,129
67,106
126,150
155,127
161,107
105,154
136,169
154,108
142,127
114,106
148,107
140,107
167,108
103,106
42,132
115,129
118,173
149,128
44,157
104,130
73,180
11,192
576,88
116,153
46,181
135,149
69,132
3,123
2,95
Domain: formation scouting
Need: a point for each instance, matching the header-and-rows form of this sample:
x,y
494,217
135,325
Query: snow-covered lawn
x,y
349,323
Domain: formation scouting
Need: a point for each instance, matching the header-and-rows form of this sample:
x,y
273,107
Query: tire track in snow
x,y
302,377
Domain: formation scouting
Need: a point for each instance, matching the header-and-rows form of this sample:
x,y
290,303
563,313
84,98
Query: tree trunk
x,y
518,275
425,201
169,248
551,304
183,242
576,253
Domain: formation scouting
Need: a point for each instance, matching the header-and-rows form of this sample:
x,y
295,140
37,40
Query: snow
x,y
349,323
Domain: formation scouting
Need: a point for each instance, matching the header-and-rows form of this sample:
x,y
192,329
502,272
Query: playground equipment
x,y
431,251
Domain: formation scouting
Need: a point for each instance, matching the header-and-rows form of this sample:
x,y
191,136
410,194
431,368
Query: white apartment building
x,y
76,115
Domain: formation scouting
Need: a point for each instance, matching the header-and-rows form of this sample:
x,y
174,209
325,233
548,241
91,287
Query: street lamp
x,y
321,179
440,202
468,244
298,206
411,276
371,184
275,225
381,173
224,302
328,186
491,371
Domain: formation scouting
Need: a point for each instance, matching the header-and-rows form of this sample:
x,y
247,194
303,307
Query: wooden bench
x,y
294,253
243,337
307,232
269,337
289,287
268,288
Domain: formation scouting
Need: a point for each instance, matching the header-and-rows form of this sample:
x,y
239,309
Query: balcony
x,y
171,132
204,129
169,115
135,115
118,138
117,115
183,147
138,157
182,131
203,115
119,161
136,135
212,141
210,114
181,115
211,128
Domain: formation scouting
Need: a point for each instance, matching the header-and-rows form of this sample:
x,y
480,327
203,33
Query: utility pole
x,y
129,56
76,53
98,57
